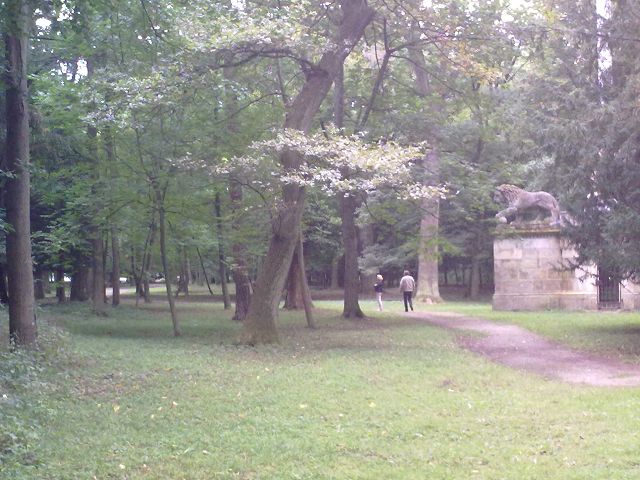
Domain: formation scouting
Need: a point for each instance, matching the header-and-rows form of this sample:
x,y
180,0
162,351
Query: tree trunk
x,y
134,272
474,281
23,330
146,288
60,290
366,240
109,147
98,283
222,267
306,293
38,287
244,291
298,293
335,264
78,288
259,325
185,273
165,263
96,232
294,299
240,271
115,267
46,282
348,205
146,262
4,294
239,268
187,269
427,289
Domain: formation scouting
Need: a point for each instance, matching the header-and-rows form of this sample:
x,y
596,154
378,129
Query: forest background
x,y
221,140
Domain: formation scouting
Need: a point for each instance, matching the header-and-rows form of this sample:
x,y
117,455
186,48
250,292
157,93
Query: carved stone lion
x,y
520,201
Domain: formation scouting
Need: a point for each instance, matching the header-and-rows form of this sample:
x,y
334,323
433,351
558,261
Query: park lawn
x,y
610,333
390,397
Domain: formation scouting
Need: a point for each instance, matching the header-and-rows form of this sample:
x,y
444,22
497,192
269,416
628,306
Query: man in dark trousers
x,y
407,286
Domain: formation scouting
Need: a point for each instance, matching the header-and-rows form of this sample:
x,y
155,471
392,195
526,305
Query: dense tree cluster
x,y
276,143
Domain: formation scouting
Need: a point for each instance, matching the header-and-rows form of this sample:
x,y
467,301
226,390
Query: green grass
x,y
390,397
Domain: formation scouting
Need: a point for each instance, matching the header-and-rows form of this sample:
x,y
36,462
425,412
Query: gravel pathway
x,y
519,348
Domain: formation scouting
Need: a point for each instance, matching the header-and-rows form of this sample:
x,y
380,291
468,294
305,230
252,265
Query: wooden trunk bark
x,y
185,273
294,299
4,294
109,147
165,263
78,288
38,287
222,264
367,280
259,326
146,264
474,280
428,290
98,283
335,264
240,271
23,330
96,232
244,291
348,205
60,289
306,292
115,267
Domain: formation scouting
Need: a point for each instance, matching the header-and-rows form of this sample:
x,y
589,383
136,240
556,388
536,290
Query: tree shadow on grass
x,y
203,325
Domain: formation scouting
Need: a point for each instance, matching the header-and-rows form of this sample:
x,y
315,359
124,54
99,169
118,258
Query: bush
x,y
26,381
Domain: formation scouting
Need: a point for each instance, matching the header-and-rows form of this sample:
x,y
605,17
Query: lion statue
x,y
520,201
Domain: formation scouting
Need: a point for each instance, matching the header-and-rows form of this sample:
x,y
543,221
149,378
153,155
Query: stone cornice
x,y
527,230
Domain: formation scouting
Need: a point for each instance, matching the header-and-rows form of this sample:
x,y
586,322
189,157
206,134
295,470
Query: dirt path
x,y
519,348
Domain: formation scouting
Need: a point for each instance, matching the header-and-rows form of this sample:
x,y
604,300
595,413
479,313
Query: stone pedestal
x,y
630,296
531,271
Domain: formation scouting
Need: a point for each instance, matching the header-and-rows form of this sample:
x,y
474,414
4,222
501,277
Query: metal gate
x,y
608,291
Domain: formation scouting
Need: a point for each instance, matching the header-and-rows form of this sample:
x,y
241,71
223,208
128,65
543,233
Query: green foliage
x,y
585,121
28,381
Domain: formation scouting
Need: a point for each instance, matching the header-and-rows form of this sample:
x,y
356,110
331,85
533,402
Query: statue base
x,y
533,271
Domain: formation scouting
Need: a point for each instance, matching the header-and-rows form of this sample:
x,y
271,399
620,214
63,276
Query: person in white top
x,y
407,286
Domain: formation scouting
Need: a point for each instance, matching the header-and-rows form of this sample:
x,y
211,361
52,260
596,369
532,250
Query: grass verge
x,y
388,397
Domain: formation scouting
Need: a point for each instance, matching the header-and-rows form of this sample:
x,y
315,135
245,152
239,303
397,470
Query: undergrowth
x,y
28,378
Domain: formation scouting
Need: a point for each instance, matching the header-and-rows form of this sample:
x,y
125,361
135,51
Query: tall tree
x,y
22,316
259,325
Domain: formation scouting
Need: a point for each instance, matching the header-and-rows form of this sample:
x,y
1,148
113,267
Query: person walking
x,y
378,287
407,286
